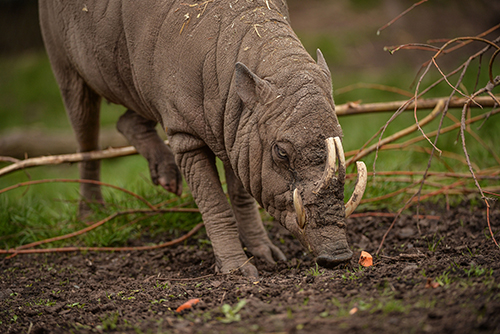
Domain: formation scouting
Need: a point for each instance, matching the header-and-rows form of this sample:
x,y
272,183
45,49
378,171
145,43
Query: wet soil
x,y
440,274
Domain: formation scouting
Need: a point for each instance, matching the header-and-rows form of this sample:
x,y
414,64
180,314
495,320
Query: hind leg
x,y
83,106
81,102
141,133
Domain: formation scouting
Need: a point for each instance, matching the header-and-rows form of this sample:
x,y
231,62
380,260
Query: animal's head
x,y
294,165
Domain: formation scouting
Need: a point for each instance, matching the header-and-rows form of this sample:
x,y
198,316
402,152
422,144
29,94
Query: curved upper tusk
x,y
331,161
299,209
359,190
341,156
330,166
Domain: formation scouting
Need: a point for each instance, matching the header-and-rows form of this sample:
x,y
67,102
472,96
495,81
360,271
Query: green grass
x,y
41,211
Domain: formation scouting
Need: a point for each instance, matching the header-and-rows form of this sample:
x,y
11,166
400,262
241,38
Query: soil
x,y
440,274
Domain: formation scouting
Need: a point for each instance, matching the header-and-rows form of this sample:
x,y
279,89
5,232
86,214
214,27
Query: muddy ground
x,y
444,278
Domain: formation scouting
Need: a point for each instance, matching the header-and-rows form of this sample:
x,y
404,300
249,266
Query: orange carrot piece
x,y
366,259
190,303
431,284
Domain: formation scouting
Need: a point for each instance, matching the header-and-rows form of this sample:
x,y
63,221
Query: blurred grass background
x,y
344,30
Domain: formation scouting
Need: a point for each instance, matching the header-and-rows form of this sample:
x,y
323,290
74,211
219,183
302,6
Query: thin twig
x,y
380,87
391,215
400,16
242,265
8,159
103,249
464,147
389,195
183,279
29,183
477,138
489,223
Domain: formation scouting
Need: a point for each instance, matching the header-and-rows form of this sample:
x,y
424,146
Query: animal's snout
x,y
333,260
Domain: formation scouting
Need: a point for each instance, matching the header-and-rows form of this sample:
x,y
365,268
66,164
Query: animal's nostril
x,y
330,261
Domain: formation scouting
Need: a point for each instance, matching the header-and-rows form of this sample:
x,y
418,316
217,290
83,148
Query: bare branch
x,y
65,158
355,109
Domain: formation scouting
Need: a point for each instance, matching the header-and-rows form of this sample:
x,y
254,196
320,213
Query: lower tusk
x,y
359,190
299,209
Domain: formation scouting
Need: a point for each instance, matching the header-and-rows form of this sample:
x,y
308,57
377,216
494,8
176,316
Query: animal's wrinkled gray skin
x,y
226,79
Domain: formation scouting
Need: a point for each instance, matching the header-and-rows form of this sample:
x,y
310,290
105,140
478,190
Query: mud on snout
x,y
328,243
330,247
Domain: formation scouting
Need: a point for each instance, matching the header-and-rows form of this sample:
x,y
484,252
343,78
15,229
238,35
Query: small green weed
x,y
352,275
434,243
477,271
109,322
46,302
231,313
160,285
77,304
444,279
156,301
390,305
315,271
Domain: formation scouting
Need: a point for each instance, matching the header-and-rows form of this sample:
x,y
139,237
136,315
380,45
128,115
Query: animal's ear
x,y
252,89
322,63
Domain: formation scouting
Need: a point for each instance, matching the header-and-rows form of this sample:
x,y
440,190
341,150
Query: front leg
x,y
141,133
250,226
200,171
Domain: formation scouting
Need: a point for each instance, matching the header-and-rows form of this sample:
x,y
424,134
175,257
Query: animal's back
x,y
106,42
142,53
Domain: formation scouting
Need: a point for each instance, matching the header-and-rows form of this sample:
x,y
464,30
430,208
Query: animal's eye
x,y
280,153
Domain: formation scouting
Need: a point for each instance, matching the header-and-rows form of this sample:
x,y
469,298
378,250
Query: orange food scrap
x,y
431,284
190,303
366,259
353,310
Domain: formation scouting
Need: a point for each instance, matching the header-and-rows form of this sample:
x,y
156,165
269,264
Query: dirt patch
x,y
436,275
